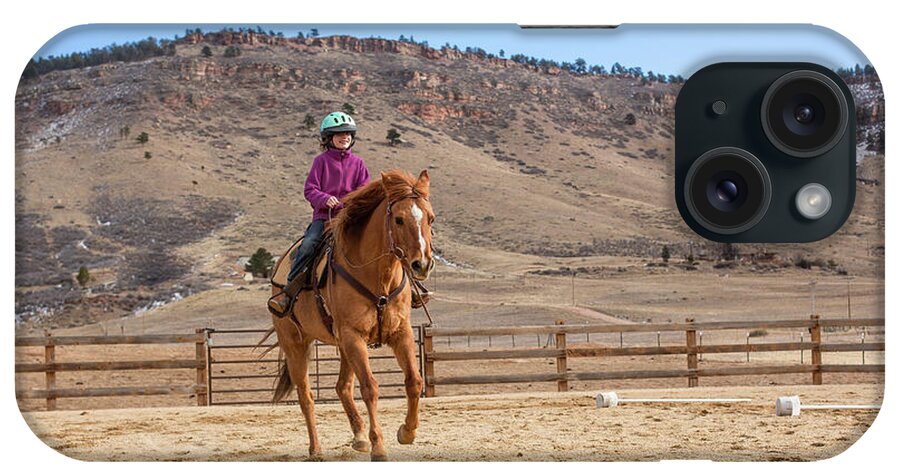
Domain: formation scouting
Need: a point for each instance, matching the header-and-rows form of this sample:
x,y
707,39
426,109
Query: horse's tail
x,y
269,347
284,385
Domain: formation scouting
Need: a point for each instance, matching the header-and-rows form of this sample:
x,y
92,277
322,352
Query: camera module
x,y
804,113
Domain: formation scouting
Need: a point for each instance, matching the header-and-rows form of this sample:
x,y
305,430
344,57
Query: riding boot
x,y
420,295
281,303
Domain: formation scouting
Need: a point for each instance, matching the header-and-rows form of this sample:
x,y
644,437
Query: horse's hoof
x,y
379,457
404,436
315,457
361,445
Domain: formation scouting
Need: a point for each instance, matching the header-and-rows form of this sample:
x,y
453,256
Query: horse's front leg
x,y
404,348
353,348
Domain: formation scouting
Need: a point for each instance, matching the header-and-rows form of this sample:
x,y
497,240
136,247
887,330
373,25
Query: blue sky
x,y
667,49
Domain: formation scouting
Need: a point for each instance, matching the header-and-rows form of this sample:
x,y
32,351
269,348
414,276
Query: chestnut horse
x,y
381,236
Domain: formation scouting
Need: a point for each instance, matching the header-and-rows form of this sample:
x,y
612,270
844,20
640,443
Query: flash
x,y
813,201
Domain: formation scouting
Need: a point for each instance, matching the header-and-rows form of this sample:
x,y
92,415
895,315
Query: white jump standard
x,y
610,400
790,406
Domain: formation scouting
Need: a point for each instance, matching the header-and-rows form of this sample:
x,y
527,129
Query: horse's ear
x,y
422,184
391,183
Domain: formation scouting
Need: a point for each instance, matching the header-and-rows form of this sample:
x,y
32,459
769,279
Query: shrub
x,y
232,52
309,121
206,52
393,136
143,138
84,276
728,252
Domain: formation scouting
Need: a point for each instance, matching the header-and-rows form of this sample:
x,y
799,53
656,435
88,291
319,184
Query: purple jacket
x,y
334,173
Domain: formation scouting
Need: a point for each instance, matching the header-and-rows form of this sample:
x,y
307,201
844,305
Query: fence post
x,y
862,340
748,347
562,384
50,377
815,334
429,364
691,352
202,364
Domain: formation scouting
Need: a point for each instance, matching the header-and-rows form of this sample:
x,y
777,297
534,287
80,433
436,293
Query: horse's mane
x,y
359,204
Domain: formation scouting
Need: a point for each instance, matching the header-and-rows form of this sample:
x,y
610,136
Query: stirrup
x,y
420,296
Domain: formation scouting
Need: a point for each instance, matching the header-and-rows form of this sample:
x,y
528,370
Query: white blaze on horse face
x,y
418,215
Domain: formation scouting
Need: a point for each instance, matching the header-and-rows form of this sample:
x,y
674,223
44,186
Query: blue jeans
x,y
311,239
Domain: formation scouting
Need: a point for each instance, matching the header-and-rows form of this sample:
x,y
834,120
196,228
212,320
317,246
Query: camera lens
x,y
727,190
804,113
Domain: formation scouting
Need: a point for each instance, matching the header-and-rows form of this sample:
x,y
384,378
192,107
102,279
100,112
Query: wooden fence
x,y
212,370
50,367
692,349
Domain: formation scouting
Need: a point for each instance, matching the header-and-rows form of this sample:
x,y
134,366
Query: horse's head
x,y
409,221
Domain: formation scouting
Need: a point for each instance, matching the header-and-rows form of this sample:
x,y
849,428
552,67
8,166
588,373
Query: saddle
x,y
283,266
313,279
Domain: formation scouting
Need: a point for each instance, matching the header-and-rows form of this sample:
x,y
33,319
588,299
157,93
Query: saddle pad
x,y
283,265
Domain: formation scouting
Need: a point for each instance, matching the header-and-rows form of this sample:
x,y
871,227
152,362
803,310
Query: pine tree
x,y
665,255
580,66
143,138
30,70
260,263
348,108
206,52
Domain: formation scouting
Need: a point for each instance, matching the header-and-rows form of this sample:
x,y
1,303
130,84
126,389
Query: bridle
x,y
392,245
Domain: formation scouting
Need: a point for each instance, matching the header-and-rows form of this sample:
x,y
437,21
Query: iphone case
x,y
574,315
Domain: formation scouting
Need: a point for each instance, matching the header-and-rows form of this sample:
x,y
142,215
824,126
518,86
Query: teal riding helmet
x,y
337,122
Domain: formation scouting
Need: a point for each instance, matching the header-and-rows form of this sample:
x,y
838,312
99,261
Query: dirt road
x,y
511,427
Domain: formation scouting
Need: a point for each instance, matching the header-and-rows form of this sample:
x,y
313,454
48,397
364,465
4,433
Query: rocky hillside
x,y
524,159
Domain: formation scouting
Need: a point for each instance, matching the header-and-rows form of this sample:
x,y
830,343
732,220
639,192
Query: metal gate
x,y
238,374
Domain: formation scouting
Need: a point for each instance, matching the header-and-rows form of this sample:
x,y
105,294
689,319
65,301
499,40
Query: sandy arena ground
x,y
511,427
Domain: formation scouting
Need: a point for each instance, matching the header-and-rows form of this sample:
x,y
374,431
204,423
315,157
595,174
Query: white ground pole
x,y
790,406
611,399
